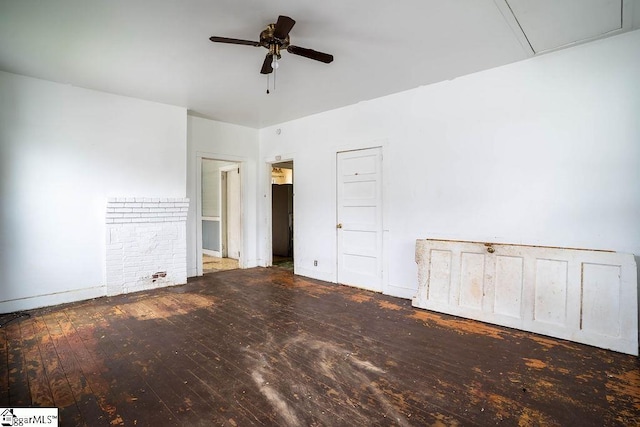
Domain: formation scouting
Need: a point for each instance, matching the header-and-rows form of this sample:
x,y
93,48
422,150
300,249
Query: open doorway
x,y
282,214
220,215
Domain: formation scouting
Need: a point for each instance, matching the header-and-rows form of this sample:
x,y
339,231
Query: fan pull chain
x,y
275,67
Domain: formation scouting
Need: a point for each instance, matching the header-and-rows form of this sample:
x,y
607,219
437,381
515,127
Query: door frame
x,y
268,261
381,143
223,213
241,162
224,217
380,229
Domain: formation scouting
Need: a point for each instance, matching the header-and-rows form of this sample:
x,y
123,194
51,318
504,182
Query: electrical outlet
x,y
315,262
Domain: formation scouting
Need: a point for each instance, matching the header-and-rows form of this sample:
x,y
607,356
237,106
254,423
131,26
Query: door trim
x,y
383,144
241,161
268,259
224,229
383,263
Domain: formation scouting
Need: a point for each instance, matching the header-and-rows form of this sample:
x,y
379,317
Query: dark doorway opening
x,y
282,214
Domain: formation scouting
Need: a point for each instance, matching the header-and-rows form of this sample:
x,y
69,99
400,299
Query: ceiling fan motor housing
x,y
271,42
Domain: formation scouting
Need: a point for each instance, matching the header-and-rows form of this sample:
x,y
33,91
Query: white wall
x,y
542,152
63,152
222,141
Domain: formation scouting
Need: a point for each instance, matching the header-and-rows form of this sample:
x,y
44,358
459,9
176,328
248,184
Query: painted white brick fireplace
x,y
146,243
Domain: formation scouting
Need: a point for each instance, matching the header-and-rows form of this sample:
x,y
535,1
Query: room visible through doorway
x,y
282,214
221,215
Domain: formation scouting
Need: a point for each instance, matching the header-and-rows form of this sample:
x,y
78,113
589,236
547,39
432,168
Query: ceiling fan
x,y
275,38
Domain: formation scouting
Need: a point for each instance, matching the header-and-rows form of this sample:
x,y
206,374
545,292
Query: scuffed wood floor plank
x,y
4,366
18,393
265,347
39,385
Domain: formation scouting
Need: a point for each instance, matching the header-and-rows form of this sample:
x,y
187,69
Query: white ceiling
x,y
159,50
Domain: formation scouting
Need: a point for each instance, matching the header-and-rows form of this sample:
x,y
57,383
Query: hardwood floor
x,y
211,264
264,347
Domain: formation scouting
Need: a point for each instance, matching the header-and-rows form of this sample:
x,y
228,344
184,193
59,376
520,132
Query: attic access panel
x,y
550,24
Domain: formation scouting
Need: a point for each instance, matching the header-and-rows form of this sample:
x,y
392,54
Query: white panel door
x,y
580,295
359,218
233,213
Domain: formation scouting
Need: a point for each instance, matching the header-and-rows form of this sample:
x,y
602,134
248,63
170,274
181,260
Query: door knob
x,y
339,226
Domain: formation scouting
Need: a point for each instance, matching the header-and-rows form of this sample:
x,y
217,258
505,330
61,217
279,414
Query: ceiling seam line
x,y
520,26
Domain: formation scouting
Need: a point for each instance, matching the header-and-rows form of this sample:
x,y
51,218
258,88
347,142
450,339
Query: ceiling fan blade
x,y
266,65
310,53
233,41
283,26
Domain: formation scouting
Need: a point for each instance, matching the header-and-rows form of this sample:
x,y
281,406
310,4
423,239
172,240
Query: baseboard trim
x,y
29,303
315,274
400,292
